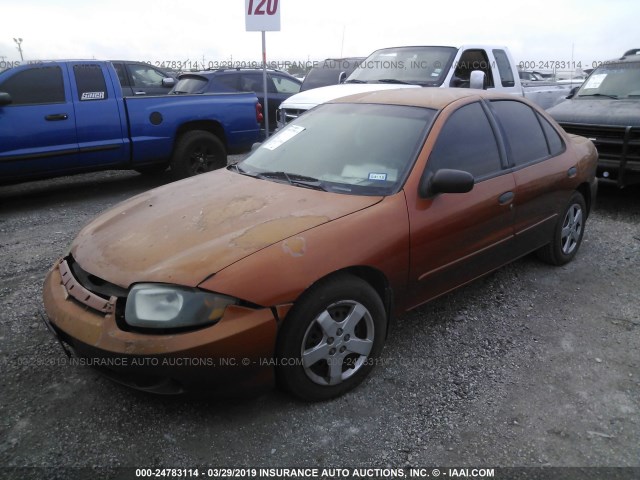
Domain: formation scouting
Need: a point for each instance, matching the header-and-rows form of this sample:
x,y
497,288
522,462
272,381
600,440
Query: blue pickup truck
x,y
66,117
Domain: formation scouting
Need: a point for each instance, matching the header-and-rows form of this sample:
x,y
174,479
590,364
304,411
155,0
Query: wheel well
x,y
378,281
208,126
586,193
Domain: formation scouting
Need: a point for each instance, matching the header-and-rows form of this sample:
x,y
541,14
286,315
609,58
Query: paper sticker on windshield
x,y
282,137
595,80
378,176
92,96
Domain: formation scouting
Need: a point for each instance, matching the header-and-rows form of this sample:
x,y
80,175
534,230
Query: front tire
x,y
331,338
567,236
197,152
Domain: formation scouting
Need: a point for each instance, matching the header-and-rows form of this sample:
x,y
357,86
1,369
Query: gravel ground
x,y
529,366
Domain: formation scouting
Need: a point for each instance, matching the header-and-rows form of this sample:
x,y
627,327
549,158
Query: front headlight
x,y
152,305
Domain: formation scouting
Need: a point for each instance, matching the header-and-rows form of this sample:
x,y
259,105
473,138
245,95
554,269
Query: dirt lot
x,y
530,366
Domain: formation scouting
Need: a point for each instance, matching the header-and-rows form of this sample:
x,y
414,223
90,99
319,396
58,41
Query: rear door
x,y
100,117
38,128
541,172
456,237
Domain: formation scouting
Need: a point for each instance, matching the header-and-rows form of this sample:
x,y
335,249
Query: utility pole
x,y
19,43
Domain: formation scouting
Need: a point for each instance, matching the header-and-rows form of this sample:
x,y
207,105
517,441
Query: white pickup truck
x,y
470,66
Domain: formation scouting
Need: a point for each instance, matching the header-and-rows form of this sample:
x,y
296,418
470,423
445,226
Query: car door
x,y
100,117
456,237
148,80
38,126
534,151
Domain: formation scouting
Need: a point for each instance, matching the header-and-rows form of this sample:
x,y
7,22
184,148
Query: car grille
x,y
89,290
287,115
618,146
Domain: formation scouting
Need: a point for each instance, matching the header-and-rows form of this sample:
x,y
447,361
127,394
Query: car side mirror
x,y
168,82
445,180
5,99
478,80
342,77
573,92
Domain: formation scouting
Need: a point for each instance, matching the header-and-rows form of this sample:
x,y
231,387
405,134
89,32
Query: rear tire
x,y
331,338
197,152
567,236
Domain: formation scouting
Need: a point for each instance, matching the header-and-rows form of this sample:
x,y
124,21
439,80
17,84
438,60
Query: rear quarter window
x,y
554,141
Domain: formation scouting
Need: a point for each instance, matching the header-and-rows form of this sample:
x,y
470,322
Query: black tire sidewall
x,y
180,161
327,292
560,257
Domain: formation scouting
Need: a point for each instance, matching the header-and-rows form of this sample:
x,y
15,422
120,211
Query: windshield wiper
x,y
240,170
294,179
355,81
615,97
393,80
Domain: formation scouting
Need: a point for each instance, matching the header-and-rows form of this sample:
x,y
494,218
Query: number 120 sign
x,y
262,15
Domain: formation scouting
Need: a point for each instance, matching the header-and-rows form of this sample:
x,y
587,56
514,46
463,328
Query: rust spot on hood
x,y
270,232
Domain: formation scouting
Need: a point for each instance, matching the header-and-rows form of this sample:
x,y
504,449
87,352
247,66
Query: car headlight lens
x,y
152,305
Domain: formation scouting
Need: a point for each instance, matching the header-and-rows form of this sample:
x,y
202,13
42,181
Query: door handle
x,y
56,116
140,93
505,198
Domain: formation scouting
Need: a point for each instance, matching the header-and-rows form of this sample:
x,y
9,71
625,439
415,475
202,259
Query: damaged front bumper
x,y
234,353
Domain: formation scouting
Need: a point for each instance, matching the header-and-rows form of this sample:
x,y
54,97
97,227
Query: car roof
x,y
436,98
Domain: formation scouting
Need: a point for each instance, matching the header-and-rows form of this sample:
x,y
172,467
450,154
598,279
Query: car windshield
x,y
426,66
358,149
616,80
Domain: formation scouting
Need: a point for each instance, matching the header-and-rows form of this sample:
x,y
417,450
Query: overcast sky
x,y
214,30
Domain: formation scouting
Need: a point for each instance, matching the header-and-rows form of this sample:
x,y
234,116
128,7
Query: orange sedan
x,y
289,265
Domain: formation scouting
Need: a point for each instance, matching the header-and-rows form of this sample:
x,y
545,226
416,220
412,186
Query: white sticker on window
x,y
282,137
92,96
595,80
378,176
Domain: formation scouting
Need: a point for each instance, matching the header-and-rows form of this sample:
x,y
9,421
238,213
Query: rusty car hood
x,y
186,231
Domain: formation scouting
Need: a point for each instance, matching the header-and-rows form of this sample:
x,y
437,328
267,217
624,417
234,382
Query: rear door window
x,y
526,142
285,85
252,82
90,82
